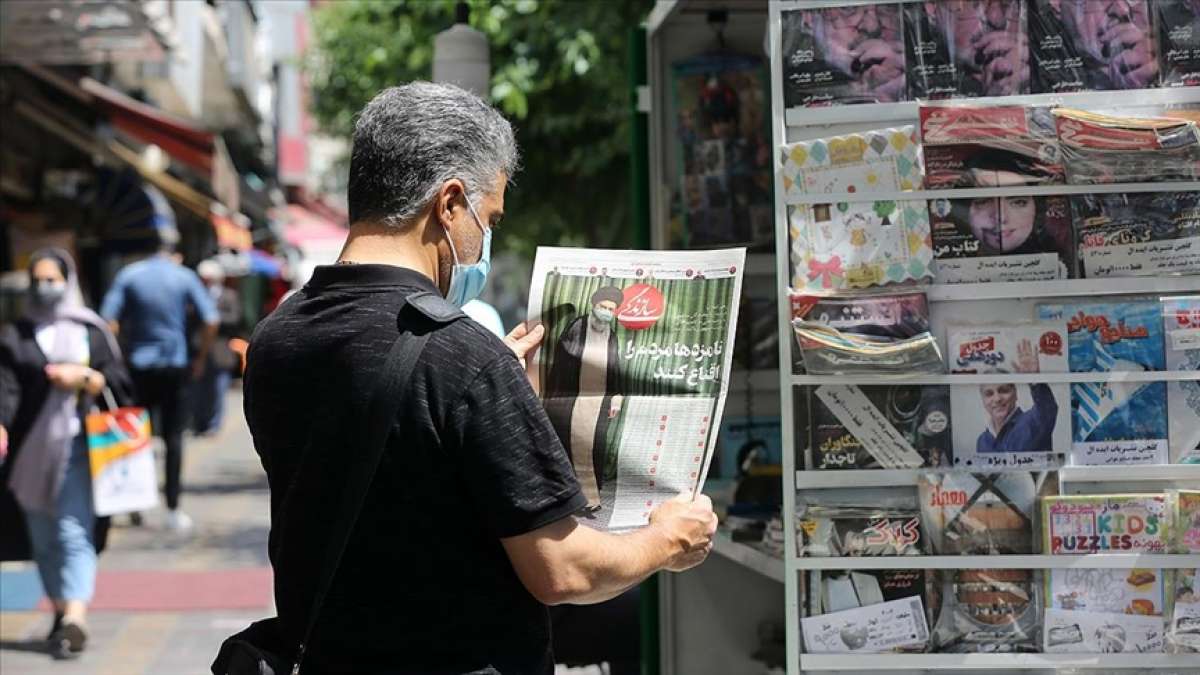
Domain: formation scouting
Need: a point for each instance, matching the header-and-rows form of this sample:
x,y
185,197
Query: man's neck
x,y
370,243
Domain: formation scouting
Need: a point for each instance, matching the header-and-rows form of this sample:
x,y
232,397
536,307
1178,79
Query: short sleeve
x,y
114,299
512,461
205,306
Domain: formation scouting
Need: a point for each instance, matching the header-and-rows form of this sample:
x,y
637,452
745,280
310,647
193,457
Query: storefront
x,y
985,222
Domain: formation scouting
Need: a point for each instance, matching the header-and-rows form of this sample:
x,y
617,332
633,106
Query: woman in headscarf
x,y
54,361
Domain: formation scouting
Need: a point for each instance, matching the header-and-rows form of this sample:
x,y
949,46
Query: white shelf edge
x,y
1032,561
877,662
749,557
907,111
1002,378
1061,288
853,478
988,192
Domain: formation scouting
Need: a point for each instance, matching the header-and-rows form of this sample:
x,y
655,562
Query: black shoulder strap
x,y
379,414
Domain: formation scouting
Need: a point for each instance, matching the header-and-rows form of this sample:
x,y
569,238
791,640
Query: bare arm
x,y
566,562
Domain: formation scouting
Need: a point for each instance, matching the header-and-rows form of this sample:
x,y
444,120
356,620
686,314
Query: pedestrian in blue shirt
x,y
147,306
1011,429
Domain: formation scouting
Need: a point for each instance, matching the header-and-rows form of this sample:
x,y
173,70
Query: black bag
x,y
260,648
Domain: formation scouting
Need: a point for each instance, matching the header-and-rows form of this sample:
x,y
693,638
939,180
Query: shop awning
x,y
304,227
198,149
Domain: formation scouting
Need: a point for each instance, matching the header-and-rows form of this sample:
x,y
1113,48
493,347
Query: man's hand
x,y
197,368
69,376
689,525
1027,360
1133,64
614,407
3,443
524,340
882,68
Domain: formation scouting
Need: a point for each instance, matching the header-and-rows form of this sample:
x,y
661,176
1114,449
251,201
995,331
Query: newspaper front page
x,y
634,369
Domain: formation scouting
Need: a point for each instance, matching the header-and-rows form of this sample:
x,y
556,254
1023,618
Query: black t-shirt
x,y
425,585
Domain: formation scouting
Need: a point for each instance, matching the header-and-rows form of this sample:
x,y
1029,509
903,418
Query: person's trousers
x,y
162,392
208,398
62,542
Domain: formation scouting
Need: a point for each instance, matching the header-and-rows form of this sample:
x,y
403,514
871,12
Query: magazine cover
x,y
1183,634
988,611
1187,521
854,245
843,55
1138,234
978,513
1115,422
987,146
872,611
1114,591
1181,334
1002,239
1179,42
1098,149
634,369
879,427
966,48
1070,632
1009,425
886,318
857,530
724,155
1092,46
1079,524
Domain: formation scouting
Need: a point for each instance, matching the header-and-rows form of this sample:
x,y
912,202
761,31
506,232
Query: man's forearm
x,y
208,336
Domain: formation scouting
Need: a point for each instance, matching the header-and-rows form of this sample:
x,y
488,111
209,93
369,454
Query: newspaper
x,y
634,369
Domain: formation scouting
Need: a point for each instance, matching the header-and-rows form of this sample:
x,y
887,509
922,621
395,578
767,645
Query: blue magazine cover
x,y
1115,422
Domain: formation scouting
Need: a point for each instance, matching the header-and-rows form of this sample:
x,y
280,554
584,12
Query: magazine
x,y
1017,238
1115,422
988,146
1100,149
1181,337
1009,425
843,55
1138,234
1075,48
966,48
634,369
1179,42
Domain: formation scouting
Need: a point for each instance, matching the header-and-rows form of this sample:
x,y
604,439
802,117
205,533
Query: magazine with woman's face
x,y
1017,238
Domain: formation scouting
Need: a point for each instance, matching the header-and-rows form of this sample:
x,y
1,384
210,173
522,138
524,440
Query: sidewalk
x,y
164,602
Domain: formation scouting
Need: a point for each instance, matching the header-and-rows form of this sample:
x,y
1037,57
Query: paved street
x,y
164,602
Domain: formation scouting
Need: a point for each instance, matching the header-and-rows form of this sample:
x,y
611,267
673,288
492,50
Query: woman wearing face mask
x,y
54,361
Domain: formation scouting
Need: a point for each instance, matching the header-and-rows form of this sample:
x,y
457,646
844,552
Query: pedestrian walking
x,y
208,392
465,530
54,360
147,306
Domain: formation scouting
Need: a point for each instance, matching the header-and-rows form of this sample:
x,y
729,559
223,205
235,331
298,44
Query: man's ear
x,y
446,199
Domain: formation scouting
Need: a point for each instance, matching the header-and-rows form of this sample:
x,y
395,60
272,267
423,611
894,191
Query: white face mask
x,y
603,315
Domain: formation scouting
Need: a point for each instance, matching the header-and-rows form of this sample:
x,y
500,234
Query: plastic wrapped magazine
x,y
837,530
986,146
1138,234
1179,42
843,55
828,351
1135,591
857,244
988,610
966,48
1183,633
875,320
1099,149
1181,333
1082,46
980,514
1075,632
1081,524
1009,425
878,427
866,611
1017,238
1115,422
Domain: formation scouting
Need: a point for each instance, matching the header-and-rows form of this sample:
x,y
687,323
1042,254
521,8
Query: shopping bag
x,y
124,476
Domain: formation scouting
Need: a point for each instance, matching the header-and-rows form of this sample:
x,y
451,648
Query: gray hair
x,y
411,139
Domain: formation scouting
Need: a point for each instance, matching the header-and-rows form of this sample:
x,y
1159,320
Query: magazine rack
x,y
961,303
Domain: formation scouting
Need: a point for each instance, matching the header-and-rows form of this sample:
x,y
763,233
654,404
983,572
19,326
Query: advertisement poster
x,y
843,55
1002,239
634,369
1115,422
724,151
1009,425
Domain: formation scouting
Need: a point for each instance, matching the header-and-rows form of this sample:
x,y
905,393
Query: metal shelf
x,y
986,192
1032,561
748,556
907,111
1003,378
1061,288
852,478
868,663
